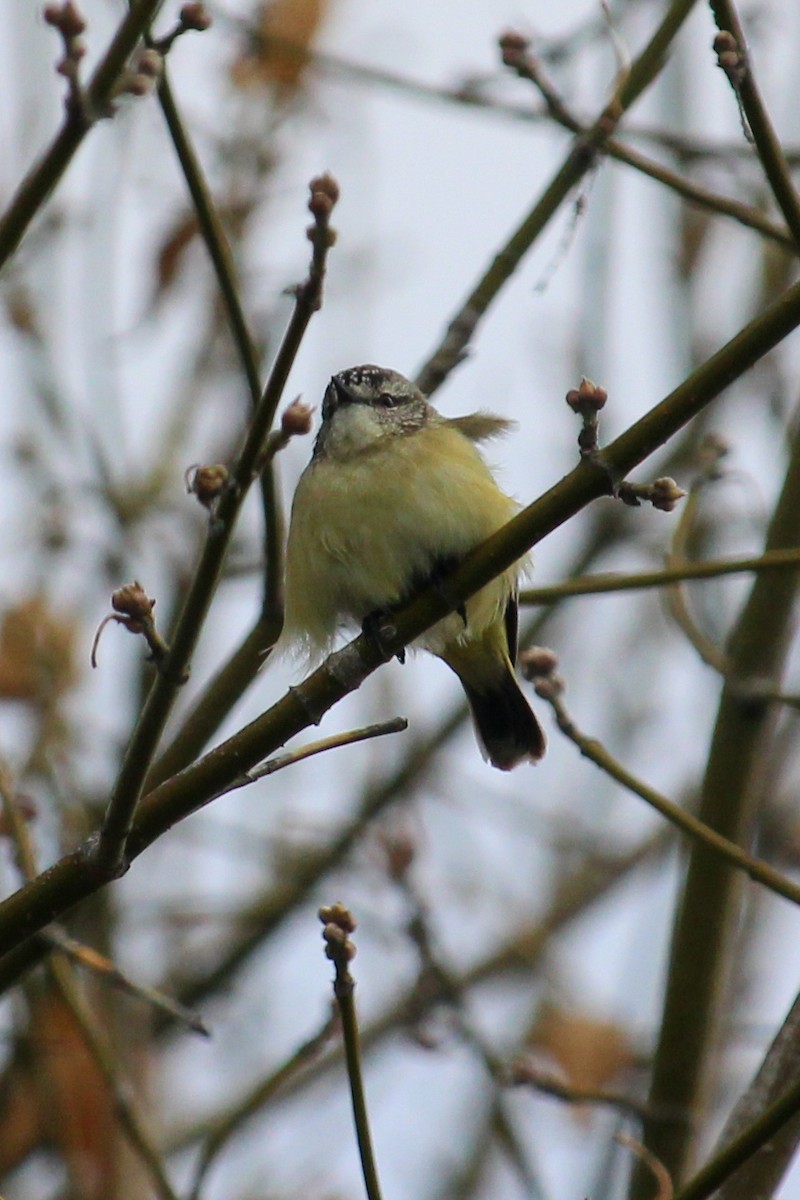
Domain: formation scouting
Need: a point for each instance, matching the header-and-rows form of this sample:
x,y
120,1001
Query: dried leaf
x,y
172,252
79,1112
53,1094
37,660
21,312
277,56
591,1053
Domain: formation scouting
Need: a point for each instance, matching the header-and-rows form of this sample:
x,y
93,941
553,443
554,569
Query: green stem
x,y
347,1008
110,853
580,159
706,1181
591,585
698,976
765,138
754,868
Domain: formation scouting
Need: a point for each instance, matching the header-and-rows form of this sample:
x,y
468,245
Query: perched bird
x,y
394,497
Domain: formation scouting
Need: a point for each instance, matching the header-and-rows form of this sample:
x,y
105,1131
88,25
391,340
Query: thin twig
x,y
338,925
723,1165
214,238
662,1177
219,252
110,853
581,159
91,960
527,66
591,748
106,1062
779,1068
590,585
584,885
765,139
708,650
37,186
691,149
740,758
522,1073
95,1041
232,1122
75,876
336,740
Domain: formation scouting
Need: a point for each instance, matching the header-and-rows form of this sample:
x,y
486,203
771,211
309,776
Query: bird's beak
x,y
336,397
339,392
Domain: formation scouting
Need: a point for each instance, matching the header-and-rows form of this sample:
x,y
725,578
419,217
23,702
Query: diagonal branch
x,y
109,855
706,921
748,93
76,875
37,186
579,161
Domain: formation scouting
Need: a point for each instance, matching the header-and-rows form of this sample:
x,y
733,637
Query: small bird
x,y
394,497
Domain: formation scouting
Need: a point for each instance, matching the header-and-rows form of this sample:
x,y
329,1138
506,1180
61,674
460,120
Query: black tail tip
x,y
507,729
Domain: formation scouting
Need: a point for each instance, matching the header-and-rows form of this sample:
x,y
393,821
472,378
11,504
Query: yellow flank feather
x,y
394,495
367,525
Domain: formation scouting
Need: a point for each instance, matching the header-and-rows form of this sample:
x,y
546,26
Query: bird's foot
x,y
380,629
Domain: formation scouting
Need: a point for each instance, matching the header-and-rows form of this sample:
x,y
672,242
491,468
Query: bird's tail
x,y
507,729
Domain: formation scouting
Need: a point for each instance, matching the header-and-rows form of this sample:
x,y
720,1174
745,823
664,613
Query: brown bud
x,y
26,809
730,57
324,194
195,16
549,687
400,852
714,446
666,494
729,60
337,914
132,601
725,41
296,419
149,63
588,397
136,85
338,947
77,49
710,454
513,47
207,483
334,935
537,662
66,19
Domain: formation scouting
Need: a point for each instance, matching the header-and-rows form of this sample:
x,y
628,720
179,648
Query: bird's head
x,y
365,404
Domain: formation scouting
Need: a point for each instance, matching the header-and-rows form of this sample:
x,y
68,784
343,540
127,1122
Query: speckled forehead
x,y
367,377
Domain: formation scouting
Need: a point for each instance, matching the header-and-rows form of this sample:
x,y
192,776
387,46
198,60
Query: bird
x,y
394,497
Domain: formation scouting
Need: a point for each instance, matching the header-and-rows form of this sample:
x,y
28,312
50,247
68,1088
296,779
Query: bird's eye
x,y
386,400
